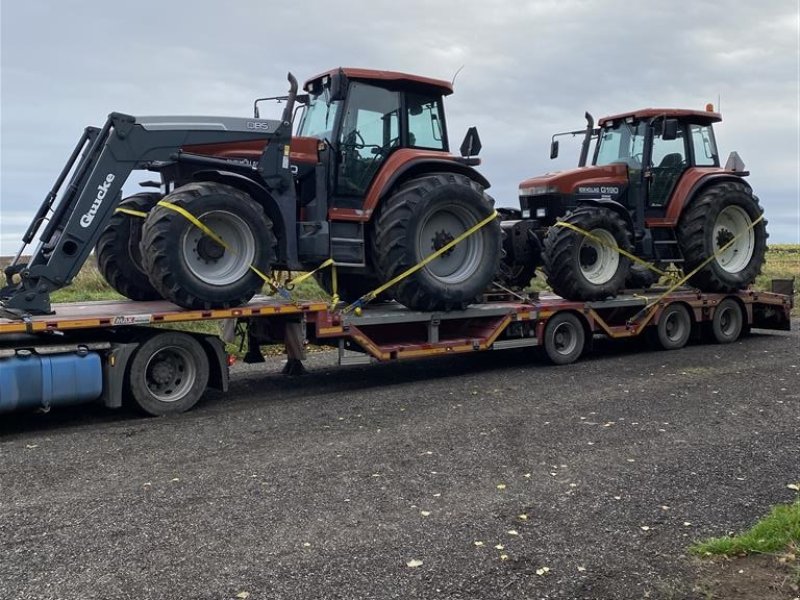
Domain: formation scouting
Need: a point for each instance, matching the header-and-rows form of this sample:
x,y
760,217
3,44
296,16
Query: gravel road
x,y
499,476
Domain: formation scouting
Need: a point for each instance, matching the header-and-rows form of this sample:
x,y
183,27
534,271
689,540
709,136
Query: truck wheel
x,y
674,327
168,374
718,215
119,258
580,268
192,270
421,217
564,338
727,322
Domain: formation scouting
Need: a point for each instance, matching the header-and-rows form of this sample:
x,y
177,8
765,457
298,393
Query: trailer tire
x,y
727,323
188,267
119,257
580,268
422,216
564,338
168,374
674,327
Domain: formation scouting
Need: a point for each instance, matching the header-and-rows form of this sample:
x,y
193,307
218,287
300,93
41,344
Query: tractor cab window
x,y
704,146
318,118
668,162
621,142
425,122
370,131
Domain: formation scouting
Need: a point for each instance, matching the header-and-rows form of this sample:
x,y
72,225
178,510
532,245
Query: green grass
x,y
778,531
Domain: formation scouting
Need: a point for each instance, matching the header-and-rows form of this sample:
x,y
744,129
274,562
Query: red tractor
x,y
367,179
654,188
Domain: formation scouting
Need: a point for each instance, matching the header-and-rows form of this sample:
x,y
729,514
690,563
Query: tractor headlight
x,y
526,214
541,213
536,190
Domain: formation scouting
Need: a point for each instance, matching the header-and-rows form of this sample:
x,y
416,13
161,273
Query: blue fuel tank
x,y
30,380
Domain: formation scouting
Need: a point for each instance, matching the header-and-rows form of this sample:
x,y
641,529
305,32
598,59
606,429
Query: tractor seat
x,y
670,161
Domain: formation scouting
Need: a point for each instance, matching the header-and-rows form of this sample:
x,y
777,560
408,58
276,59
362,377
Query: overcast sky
x,y
530,69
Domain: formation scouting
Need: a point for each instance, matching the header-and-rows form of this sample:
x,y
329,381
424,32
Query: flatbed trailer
x,y
110,352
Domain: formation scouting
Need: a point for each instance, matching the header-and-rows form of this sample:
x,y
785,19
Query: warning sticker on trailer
x,y
132,319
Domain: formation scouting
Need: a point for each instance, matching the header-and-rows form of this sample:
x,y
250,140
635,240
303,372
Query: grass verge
x,y
777,532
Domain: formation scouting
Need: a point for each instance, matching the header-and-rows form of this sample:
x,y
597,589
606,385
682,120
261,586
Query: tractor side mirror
x,y
553,149
471,146
338,87
670,131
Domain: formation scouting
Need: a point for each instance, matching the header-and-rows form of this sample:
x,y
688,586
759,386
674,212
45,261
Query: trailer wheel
x,y
189,267
727,323
119,258
168,374
564,338
674,327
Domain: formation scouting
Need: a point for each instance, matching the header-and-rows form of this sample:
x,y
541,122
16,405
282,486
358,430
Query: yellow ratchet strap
x,y
131,212
616,248
371,295
205,229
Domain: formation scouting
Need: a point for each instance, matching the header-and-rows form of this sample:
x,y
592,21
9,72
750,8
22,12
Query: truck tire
x,y
728,321
422,216
168,374
188,267
564,338
119,258
717,215
579,268
674,327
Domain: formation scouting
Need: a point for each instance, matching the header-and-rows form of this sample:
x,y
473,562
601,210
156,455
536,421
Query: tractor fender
x,y
400,166
692,183
258,193
610,204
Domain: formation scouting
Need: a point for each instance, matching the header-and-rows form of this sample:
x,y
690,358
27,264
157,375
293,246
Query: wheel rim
x,y
675,326
214,264
442,226
728,321
565,338
598,260
170,373
734,222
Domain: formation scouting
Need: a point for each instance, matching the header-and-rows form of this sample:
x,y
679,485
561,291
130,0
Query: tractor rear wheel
x,y
190,268
721,214
582,268
422,216
119,258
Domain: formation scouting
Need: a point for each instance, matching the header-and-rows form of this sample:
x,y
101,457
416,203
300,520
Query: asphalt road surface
x,y
497,475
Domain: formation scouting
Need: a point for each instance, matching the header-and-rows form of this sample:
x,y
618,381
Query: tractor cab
x,y
364,117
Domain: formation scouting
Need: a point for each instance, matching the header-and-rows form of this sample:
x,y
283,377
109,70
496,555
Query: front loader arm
x,y
107,158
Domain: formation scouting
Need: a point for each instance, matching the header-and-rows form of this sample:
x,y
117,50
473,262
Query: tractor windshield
x,y
318,118
621,142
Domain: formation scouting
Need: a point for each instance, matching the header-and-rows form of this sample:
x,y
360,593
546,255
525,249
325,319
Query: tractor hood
x,y
568,182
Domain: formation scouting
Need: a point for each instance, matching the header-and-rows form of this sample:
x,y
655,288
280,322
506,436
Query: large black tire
x,y
641,278
189,268
713,218
168,373
119,258
421,217
579,268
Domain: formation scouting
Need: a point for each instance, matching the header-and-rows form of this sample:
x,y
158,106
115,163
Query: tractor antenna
x,y
453,82
719,103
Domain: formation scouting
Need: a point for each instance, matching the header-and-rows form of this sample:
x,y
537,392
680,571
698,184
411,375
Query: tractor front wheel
x,y
721,223
119,258
423,216
588,267
193,270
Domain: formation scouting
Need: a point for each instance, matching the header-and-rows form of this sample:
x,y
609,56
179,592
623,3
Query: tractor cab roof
x,y
701,117
440,86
